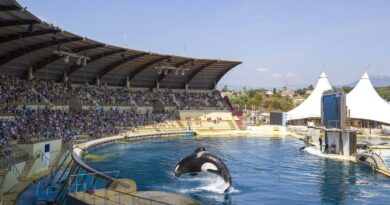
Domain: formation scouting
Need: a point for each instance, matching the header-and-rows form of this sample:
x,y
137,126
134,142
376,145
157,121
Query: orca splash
x,y
200,160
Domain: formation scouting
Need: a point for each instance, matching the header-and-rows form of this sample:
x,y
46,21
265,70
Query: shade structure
x,y
363,102
311,107
30,46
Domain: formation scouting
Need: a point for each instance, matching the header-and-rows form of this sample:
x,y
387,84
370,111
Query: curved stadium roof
x,y
26,41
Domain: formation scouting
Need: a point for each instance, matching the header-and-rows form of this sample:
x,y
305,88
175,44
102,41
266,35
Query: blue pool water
x,y
264,171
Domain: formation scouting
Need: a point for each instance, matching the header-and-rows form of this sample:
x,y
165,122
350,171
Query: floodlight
x,y
66,59
84,61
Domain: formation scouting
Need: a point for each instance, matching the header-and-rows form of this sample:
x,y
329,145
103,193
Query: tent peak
x,y
365,76
323,75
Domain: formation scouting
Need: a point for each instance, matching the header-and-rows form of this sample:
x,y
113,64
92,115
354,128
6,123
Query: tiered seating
x,y
199,100
172,125
19,121
15,91
53,92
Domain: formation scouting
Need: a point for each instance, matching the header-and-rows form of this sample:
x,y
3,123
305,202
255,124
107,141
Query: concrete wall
x,y
268,130
345,137
120,108
60,107
143,109
37,150
204,114
36,107
334,139
11,177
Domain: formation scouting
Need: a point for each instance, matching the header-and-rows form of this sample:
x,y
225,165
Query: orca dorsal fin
x,y
200,149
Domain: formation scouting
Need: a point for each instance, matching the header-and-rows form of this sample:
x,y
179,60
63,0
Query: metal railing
x,y
111,196
96,195
6,161
333,124
109,179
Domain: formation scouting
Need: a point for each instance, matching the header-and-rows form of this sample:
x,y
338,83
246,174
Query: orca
x,y
201,160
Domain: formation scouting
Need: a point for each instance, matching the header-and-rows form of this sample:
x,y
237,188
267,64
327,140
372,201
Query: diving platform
x,y
72,181
375,161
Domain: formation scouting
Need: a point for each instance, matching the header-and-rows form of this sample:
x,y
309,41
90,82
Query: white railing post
x,y
85,187
105,197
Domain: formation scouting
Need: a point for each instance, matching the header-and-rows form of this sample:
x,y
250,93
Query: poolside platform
x,y
111,197
314,150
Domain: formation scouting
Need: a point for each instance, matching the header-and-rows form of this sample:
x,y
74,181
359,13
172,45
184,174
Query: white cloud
x,y
262,69
276,75
291,75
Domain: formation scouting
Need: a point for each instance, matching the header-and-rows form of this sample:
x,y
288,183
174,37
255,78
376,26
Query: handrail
x,y
78,160
80,163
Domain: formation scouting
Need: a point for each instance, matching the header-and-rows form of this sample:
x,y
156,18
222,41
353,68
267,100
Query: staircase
x,y
177,103
27,167
94,101
3,174
61,158
379,162
49,104
232,125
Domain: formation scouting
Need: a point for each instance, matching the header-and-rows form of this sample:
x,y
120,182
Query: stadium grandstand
x,y
46,68
56,85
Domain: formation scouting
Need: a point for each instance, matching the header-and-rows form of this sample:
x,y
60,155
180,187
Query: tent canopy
x,y
311,107
363,102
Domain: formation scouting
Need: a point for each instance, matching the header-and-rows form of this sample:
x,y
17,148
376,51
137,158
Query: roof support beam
x,y
9,8
120,62
17,23
17,36
198,70
161,77
24,51
94,58
219,77
47,61
142,67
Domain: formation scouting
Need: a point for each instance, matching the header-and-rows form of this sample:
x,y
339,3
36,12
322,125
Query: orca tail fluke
x,y
228,189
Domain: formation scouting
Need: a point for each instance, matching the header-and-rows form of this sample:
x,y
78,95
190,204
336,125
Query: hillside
x,y
259,99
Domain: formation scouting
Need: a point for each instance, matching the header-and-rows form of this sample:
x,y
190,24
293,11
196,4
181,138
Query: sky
x,y
278,41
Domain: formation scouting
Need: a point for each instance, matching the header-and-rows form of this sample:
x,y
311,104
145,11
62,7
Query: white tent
x,y
311,107
363,102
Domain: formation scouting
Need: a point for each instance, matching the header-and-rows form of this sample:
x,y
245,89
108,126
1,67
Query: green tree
x,y
225,88
346,89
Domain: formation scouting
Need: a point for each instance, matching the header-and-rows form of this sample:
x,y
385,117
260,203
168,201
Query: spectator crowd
x,y
14,91
18,121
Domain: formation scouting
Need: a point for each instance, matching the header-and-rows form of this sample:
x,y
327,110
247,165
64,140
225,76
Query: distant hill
x,y
376,80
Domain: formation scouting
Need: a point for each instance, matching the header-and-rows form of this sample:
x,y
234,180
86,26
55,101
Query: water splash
x,y
206,182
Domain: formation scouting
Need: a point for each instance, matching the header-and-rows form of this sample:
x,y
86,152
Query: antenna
x,y
184,47
125,39
285,86
324,67
368,67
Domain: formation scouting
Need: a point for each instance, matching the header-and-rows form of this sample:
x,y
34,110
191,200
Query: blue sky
x,y
277,40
